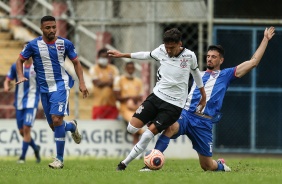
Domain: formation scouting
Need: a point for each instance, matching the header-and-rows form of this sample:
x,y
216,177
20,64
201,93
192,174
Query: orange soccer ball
x,y
154,159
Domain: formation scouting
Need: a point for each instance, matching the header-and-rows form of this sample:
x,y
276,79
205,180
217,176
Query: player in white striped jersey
x,y
49,52
163,107
26,103
197,125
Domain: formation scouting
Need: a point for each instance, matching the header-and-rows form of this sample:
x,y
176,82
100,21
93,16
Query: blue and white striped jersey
x,y
27,93
48,60
216,84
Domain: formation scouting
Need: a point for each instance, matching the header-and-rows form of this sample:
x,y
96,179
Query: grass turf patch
x,y
88,170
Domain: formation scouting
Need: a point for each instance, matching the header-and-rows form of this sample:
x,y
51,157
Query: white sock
x,y
145,139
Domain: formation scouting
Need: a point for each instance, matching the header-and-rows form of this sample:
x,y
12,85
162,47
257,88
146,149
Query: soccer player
x,y
163,107
48,52
198,126
26,103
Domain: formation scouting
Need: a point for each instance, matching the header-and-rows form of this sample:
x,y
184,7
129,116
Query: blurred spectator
x,y
129,92
26,104
103,74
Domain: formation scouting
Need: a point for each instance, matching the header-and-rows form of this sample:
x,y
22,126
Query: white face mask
x,y
103,61
129,75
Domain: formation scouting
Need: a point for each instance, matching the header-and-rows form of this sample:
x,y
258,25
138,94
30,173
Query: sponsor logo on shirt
x,y
189,56
60,48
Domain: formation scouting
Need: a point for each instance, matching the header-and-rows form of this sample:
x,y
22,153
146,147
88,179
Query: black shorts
x,y
157,111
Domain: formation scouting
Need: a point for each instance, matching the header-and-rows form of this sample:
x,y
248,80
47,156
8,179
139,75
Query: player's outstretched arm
x,y
117,54
247,66
19,67
135,55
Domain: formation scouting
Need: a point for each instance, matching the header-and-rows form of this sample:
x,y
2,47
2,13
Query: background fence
x,y
251,121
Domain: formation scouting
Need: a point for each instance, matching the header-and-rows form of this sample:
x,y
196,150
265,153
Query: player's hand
x,y
114,53
21,79
201,105
269,32
6,88
84,90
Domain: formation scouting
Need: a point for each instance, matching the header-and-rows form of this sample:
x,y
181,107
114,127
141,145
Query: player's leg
x,y
29,117
172,132
208,164
146,112
164,139
19,118
58,103
167,114
200,134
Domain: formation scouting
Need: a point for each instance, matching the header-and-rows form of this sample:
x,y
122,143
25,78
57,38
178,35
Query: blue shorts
x,y
55,103
25,117
198,130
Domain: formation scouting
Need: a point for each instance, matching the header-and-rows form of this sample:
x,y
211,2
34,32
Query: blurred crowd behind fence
x,y
251,123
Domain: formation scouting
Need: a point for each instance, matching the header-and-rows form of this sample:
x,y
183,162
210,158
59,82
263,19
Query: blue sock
x,y
162,143
69,126
24,150
60,135
220,167
33,145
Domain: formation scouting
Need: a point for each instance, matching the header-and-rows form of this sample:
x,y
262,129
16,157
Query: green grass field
x,y
85,171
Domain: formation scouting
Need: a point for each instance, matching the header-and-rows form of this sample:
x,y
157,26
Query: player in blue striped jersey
x,y
49,52
26,103
197,125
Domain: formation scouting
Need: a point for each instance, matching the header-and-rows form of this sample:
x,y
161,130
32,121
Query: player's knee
x,y
21,132
172,130
131,129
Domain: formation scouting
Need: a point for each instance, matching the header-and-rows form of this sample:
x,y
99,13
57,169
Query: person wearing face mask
x,y
103,74
129,92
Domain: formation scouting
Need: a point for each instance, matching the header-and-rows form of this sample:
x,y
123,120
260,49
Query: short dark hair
x,y
129,63
218,48
172,35
101,51
47,18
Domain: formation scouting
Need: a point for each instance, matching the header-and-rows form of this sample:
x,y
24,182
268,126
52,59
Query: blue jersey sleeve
x,y
70,50
27,51
13,72
230,73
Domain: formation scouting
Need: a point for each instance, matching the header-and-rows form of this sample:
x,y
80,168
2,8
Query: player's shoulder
x,y
225,70
187,53
34,41
160,49
64,40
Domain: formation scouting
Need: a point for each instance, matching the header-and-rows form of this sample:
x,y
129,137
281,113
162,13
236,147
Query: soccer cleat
x,y
56,164
225,167
145,169
37,154
121,167
75,135
21,161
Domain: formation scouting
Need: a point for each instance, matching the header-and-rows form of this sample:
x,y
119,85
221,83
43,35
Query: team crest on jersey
x,y
184,63
139,110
